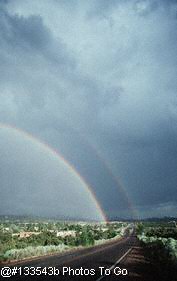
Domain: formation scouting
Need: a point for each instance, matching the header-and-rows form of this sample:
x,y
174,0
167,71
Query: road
x,y
84,264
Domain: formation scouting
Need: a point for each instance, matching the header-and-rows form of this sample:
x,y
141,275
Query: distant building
x,y
6,229
25,234
66,233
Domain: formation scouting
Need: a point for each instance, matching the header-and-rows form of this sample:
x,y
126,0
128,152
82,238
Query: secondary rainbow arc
x,y
116,179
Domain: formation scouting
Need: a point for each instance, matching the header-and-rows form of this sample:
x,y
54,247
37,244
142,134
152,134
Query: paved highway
x,y
85,264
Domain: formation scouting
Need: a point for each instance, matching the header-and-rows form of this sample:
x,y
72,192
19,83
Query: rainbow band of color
x,y
60,157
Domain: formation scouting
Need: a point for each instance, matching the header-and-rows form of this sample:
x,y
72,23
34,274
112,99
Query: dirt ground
x,y
140,269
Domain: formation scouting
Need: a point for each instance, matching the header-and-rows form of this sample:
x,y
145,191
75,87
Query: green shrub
x,y
18,254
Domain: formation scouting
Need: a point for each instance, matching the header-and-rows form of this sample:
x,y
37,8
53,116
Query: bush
x,y
18,254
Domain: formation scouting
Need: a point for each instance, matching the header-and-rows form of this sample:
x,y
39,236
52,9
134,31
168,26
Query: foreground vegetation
x,y
20,239
160,243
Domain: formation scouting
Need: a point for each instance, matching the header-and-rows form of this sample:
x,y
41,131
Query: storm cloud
x,y
96,80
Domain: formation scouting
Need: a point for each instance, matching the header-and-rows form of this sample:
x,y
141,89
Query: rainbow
x,y
118,182
121,188
61,158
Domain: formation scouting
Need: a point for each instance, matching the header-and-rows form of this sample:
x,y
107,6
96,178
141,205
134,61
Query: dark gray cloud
x,y
97,75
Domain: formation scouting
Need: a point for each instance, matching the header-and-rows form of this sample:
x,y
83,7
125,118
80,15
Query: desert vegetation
x,y
23,238
160,243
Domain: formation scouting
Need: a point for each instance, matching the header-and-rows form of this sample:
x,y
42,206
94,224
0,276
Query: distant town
x,y
30,237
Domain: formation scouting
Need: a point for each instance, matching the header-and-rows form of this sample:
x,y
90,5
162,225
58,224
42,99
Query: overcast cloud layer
x,y
96,80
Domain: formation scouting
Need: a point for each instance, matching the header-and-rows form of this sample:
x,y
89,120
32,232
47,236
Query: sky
x,y
96,81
